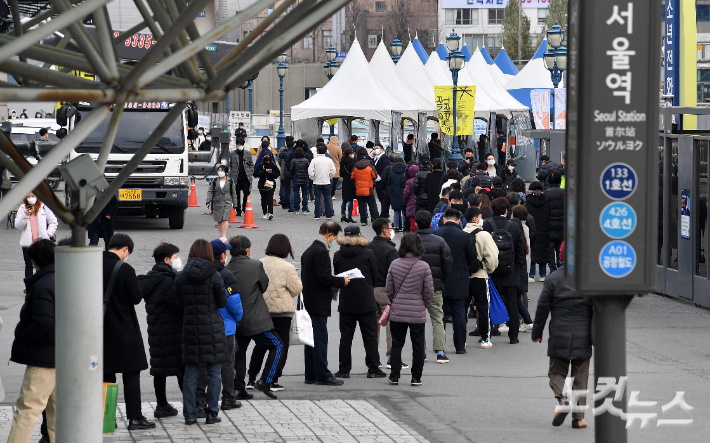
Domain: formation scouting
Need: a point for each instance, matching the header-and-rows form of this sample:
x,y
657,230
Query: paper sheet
x,y
353,273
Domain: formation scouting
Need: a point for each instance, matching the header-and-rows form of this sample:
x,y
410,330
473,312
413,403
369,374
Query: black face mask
x,y
461,207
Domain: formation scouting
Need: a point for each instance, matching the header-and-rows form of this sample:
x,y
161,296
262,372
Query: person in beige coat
x,y
284,284
336,154
487,254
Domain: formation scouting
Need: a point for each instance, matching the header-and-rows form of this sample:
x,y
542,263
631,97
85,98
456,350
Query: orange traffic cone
x,y
356,209
233,216
192,200
249,217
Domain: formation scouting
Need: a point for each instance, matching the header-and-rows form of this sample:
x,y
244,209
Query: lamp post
x,y
281,70
455,60
555,59
331,67
396,48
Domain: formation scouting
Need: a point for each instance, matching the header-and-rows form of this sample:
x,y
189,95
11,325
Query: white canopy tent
x,y
411,68
480,70
354,91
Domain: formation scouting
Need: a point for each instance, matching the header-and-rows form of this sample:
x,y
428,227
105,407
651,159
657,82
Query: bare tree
x,y
401,18
356,15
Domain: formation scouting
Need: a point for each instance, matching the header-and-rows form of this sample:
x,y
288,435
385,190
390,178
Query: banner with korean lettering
x,y
671,51
560,108
491,4
465,102
540,100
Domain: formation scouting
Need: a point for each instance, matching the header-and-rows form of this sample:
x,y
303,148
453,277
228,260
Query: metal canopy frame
x,y
175,78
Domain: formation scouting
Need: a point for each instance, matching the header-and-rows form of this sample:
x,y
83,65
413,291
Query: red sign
x,y
138,40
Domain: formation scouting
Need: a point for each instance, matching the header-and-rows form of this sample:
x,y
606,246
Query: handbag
x,y
385,317
269,184
301,331
496,311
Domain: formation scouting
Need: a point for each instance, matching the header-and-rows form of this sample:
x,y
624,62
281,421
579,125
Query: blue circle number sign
x,y
617,259
619,181
618,220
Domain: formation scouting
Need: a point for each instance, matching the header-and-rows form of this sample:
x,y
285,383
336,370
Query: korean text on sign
x,y
620,54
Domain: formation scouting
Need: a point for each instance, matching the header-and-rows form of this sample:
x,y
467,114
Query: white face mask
x,y
209,139
177,264
221,174
32,200
511,168
491,162
479,222
241,148
392,235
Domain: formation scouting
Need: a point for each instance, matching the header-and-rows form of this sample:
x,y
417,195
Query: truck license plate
x,y
130,194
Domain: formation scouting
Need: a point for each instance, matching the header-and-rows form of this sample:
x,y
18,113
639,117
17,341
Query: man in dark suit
x,y
381,163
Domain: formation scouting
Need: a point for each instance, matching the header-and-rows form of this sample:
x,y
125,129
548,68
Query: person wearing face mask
x,y
381,162
37,222
221,197
267,172
468,164
206,144
164,324
123,343
478,289
347,165
242,167
508,173
492,168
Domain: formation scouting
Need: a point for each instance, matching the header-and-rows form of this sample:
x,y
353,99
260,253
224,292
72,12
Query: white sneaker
x,y
265,216
503,328
542,279
526,327
486,344
531,280
271,216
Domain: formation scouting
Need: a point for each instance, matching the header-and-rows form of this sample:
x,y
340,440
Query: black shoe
x,y
332,381
275,387
495,333
378,374
514,341
264,387
190,422
341,375
393,380
310,382
350,220
231,404
250,384
461,351
475,333
44,439
140,423
165,411
448,319
238,212
244,395
442,358
343,219
416,382
212,418
201,411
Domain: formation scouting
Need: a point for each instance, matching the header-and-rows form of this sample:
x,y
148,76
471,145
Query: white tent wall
x,y
412,69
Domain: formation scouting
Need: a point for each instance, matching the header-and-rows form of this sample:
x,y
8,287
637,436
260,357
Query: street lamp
x,y
555,59
396,48
331,68
455,61
281,70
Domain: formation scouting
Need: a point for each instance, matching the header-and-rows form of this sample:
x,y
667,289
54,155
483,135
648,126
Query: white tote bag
x,y
301,332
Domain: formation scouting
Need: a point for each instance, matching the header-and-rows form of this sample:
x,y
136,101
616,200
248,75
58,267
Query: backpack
x,y
506,250
436,219
477,264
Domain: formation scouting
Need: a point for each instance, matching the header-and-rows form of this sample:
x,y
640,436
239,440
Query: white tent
x,y
485,79
354,91
385,70
533,76
437,71
412,69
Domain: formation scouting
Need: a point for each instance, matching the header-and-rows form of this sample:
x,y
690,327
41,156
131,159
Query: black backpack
x,y
476,265
506,250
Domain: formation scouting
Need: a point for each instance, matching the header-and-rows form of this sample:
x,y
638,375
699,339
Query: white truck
x,y
159,187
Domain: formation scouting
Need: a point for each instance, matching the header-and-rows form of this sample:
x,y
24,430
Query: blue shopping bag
x,y
496,311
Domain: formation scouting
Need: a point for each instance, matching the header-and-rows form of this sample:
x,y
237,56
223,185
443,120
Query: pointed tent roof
x,y
505,64
423,56
486,55
385,70
498,74
354,91
533,76
442,51
412,69
465,51
484,77
437,71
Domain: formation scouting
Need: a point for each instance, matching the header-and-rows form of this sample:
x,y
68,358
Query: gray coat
x,y
252,281
410,288
234,159
222,199
570,326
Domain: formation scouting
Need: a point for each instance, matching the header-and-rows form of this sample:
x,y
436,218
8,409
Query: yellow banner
x,y
332,121
465,102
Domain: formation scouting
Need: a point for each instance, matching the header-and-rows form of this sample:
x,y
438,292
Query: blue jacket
x,y
232,313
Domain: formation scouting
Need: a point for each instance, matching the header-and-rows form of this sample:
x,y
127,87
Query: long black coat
x,y
433,188
164,320
359,295
437,255
199,290
539,209
570,326
34,334
556,199
385,253
103,225
123,342
395,184
464,255
317,279
347,165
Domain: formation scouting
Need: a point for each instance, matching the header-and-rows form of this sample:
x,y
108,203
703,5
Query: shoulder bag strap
x,y
507,225
111,282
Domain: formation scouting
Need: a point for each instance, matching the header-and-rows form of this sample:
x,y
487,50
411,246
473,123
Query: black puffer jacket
x,y
34,334
298,170
556,199
539,209
419,186
199,290
570,326
438,256
347,165
359,295
395,183
164,320
433,188
385,253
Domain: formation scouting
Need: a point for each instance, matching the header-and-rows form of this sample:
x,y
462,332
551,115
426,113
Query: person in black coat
x,y
570,342
464,256
385,253
381,162
408,148
298,170
123,344
434,145
395,184
507,284
432,184
540,247
317,298
357,302
347,164
556,199
199,290
164,324
34,346
267,170
102,226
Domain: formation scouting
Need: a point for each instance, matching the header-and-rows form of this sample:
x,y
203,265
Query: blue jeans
x,y
397,222
324,191
316,357
189,387
296,198
543,270
522,310
346,205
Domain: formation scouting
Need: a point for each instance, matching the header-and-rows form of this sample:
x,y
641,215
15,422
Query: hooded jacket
x,y
410,288
486,250
253,282
437,255
409,197
538,207
395,183
512,279
419,187
199,290
164,320
233,312
298,170
364,176
284,284
359,295
545,170
336,154
34,334
46,224
263,175
347,165
385,253
285,157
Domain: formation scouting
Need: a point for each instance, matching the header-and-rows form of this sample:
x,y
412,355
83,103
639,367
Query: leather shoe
x,y
231,404
190,422
201,412
514,341
244,395
332,381
378,374
264,387
310,382
461,351
140,423
165,411
342,375
212,418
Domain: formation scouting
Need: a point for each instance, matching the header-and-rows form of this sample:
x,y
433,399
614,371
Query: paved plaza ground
x,y
495,395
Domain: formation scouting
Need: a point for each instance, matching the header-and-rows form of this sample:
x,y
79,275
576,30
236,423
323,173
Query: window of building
x,y
473,41
493,44
380,6
541,16
327,38
308,41
432,38
347,40
373,39
702,13
461,16
495,16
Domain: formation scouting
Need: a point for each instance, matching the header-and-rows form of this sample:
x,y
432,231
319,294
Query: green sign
x,y
211,48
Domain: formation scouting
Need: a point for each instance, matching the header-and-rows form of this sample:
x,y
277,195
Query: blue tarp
x,y
505,64
442,51
465,51
419,49
541,50
486,56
